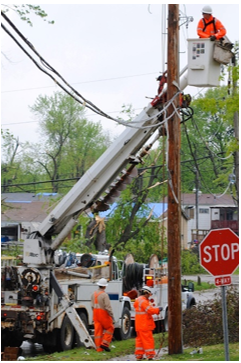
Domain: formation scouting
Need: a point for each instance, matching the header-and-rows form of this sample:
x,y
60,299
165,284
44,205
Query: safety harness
x,y
210,22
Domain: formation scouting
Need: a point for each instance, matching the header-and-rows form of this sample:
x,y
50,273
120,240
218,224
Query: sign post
x,y
219,255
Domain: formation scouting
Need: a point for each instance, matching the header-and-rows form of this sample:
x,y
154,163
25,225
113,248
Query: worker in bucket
x,y
209,26
103,317
144,325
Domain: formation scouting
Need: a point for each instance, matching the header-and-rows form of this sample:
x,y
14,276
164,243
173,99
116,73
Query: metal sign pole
x,y
225,322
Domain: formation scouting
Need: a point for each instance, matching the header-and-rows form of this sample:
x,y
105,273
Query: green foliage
x,y
144,245
69,146
190,263
128,232
203,285
208,141
24,11
203,325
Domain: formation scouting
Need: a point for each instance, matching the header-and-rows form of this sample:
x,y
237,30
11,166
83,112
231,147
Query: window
x,y
204,210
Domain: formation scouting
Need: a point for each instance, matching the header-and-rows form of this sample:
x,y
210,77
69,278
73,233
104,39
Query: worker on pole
x,y
103,317
144,325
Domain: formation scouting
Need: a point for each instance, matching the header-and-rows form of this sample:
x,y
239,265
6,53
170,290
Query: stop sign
x,y
219,252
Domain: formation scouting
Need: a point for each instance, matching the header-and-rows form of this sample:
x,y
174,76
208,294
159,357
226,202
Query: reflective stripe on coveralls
x,y
103,324
144,324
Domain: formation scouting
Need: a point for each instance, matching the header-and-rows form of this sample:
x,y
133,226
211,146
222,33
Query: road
x,y
201,296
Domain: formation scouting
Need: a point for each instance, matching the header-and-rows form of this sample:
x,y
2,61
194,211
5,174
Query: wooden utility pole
x,y
174,194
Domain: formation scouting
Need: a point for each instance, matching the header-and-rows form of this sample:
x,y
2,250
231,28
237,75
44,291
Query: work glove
x,y
160,309
212,38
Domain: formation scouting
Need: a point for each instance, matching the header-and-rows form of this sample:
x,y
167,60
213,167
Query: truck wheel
x,y
84,319
124,331
66,335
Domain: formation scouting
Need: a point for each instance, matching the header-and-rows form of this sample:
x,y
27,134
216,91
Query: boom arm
x,y
101,174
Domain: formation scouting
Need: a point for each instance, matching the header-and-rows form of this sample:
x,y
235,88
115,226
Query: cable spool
x,y
133,276
87,260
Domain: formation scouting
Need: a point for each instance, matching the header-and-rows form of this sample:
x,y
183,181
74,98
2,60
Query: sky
x,y
111,54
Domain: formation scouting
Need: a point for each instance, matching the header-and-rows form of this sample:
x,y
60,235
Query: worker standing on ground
x,y
103,317
210,27
144,325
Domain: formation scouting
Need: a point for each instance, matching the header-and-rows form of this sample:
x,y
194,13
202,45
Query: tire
x,y
50,344
84,319
66,336
124,332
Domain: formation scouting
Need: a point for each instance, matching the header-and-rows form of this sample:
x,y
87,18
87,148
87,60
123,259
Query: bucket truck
x,y
35,301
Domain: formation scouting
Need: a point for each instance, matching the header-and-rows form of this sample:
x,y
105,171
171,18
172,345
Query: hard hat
x,y
207,9
146,289
102,282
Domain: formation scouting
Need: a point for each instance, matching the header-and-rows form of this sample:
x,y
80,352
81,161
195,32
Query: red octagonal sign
x,y
219,252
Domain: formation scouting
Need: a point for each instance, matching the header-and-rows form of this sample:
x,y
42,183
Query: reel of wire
x,y
133,276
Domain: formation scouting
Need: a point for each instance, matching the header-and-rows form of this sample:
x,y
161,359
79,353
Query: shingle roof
x,y
206,199
27,197
26,207
26,212
29,207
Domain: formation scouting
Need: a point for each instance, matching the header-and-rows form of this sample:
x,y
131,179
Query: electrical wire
x,y
83,101
197,167
83,82
206,144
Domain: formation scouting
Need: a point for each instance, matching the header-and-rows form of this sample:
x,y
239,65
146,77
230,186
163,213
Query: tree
x,y
24,11
10,165
207,141
70,143
126,228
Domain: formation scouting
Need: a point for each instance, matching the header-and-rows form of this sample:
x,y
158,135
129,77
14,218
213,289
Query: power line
x,y
88,115
73,92
98,80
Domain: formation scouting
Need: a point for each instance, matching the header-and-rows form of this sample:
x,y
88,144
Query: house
x,y
22,213
213,212
27,210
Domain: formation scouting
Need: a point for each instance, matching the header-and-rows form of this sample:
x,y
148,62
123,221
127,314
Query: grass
x,y
210,353
127,347
236,272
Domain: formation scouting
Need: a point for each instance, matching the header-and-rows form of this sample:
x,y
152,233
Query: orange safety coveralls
x,y
144,325
103,324
210,28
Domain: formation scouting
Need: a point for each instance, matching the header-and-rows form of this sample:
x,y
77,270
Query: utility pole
x,y
174,193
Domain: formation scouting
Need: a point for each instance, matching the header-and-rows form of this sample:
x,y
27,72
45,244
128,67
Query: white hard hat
x,y
146,289
207,9
102,282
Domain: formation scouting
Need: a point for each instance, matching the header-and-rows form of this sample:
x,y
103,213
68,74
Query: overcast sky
x,y
110,53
